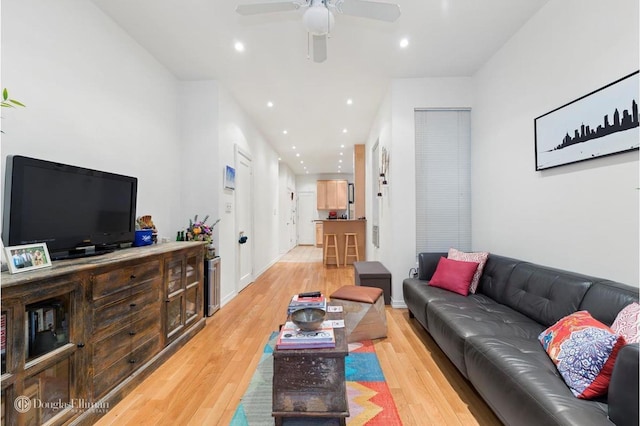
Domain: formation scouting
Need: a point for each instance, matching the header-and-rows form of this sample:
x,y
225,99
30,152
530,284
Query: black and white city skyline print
x,y
601,123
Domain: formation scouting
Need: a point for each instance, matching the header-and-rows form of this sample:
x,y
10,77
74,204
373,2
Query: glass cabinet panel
x,y
48,392
47,325
174,314
174,276
192,303
192,270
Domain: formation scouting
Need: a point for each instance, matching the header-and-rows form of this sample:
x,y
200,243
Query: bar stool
x,y
334,246
347,246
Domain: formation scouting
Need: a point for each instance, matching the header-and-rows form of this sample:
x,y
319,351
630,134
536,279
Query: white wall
x,y
580,217
94,99
235,129
201,181
394,129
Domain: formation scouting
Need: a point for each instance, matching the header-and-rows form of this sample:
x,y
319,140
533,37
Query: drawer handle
x,y
80,345
132,361
132,333
132,305
133,277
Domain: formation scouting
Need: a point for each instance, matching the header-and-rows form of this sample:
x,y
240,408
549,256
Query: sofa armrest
x,y
623,388
427,263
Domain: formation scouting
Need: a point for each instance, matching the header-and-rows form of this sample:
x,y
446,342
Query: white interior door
x,y
293,213
306,215
244,217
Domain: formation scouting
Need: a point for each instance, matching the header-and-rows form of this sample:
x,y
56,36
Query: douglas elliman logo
x,y
23,404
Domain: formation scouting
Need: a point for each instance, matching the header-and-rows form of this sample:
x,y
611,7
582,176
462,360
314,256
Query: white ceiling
x,y
195,40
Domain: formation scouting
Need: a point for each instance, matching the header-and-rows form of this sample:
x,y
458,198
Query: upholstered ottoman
x,y
364,314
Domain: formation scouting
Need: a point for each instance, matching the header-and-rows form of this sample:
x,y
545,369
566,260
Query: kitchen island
x,y
339,227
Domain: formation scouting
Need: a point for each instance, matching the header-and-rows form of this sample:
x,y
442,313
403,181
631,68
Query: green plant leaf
x,y
16,102
5,94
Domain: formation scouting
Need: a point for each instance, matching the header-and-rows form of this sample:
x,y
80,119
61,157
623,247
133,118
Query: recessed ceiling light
x,y
341,153
301,162
305,167
239,46
297,154
270,104
339,161
339,166
285,131
307,172
279,159
349,101
404,43
293,147
344,130
342,146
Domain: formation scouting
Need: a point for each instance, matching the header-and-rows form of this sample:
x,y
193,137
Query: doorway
x,y
306,216
244,217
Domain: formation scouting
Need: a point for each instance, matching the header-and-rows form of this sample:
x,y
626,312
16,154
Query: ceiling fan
x,y
318,19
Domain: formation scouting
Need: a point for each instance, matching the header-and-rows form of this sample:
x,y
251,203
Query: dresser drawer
x,y
108,350
119,279
108,317
108,378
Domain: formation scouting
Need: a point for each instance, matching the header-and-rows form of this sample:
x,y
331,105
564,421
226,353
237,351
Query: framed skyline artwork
x,y
601,123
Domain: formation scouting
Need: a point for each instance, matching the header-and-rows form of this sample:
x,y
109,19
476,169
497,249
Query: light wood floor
x,y
203,382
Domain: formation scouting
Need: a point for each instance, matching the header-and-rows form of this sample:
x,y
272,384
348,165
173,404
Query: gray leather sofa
x,y
492,338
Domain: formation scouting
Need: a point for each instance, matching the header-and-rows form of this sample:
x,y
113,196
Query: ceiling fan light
x,y
318,20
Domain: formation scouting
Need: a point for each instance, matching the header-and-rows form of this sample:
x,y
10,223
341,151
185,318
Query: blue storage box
x,y
144,237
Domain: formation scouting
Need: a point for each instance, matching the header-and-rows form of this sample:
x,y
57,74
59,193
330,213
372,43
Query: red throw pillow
x,y
454,275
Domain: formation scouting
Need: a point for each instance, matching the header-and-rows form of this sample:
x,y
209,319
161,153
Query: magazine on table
x,y
291,337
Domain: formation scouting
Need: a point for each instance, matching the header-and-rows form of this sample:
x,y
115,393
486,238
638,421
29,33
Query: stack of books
x,y
291,337
311,300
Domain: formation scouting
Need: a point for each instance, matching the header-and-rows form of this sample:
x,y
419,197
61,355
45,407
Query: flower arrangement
x,y
199,230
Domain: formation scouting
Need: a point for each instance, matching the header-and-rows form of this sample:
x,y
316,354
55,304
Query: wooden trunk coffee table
x,y
311,382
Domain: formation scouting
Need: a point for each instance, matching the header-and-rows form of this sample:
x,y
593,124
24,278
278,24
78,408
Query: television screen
x,y
67,207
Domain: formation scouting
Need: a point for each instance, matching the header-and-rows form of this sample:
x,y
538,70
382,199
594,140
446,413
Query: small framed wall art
x,y
601,123
27,257
229,178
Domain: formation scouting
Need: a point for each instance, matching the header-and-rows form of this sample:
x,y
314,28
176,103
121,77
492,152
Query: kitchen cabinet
x,y
331,194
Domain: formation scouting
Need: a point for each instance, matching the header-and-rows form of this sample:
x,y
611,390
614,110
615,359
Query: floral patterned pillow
x,y
627,323
584,351
480,258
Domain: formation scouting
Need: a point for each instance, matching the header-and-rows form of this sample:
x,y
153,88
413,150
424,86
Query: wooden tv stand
x,y
79,336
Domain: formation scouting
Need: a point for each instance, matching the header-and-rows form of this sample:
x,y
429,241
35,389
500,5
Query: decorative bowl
x,y
308,319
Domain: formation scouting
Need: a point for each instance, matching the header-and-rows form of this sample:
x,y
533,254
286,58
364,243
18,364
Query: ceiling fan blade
x,y
257,8
319,48
370,9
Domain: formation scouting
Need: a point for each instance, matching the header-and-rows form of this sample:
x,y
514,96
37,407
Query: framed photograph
x,y
601,123
229,178
27,257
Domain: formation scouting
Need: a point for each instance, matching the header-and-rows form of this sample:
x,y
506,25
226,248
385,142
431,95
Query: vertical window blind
x,y
443,180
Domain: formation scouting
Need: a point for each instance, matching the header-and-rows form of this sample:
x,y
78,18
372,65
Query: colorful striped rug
x,y
370,402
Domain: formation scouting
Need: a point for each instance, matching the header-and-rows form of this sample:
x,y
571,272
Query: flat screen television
x,y
76,211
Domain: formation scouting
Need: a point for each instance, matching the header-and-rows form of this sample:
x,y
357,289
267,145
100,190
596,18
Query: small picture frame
x,y
229,178
27,257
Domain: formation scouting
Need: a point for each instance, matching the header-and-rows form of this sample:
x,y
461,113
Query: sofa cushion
x,y
453,321
522,386
545,294
418,294
627,323
495,276
479,257
427,263
584,350
606,298
454,275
